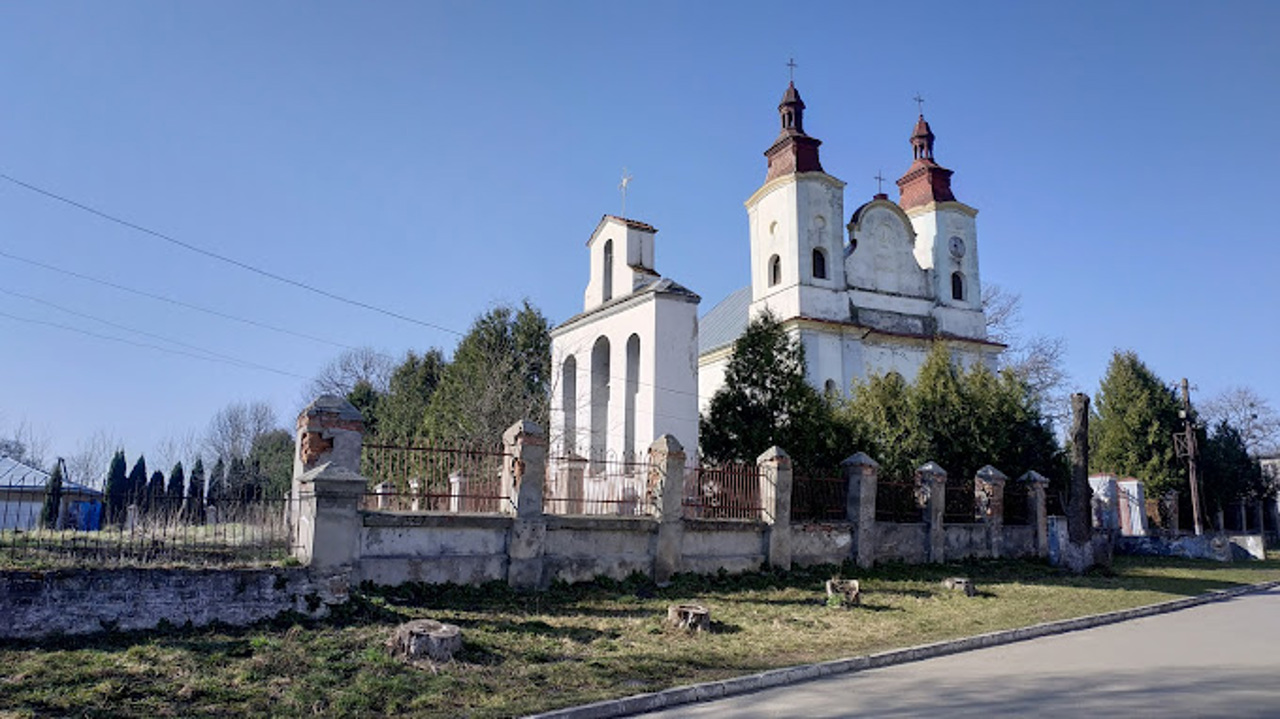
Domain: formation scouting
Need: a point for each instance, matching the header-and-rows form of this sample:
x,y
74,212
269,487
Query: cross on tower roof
x,y
879,178
622,187
791,64
919,103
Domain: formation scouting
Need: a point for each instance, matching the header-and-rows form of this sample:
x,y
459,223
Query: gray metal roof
x,y
726,322
15,475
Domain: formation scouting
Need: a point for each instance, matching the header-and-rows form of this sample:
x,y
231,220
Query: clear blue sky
x,y
434,159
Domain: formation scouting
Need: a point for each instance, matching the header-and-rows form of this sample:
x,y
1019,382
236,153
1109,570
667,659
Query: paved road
x,y
1216,660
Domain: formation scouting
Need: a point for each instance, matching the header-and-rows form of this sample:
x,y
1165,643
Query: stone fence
x,y
529,547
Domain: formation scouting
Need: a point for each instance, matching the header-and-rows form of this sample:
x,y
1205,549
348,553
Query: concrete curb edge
x,y
707,691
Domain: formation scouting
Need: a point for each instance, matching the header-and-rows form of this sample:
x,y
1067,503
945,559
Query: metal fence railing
x,y
1016,510
959,507
818,496
434,478
158,531
729,491
896,501
618,487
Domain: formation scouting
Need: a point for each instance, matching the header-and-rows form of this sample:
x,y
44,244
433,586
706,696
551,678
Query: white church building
x,y
637,363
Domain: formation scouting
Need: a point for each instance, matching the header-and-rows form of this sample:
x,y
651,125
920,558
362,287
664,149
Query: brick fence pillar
x,y
860,474
931,496
327,485
1037,512
524,473
775,499
666,487
988,505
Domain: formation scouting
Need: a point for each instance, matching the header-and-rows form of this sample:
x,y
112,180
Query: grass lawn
x,y
531,652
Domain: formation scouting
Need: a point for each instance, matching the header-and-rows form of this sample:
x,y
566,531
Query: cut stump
x,y
690,617
843,592
425,639
961,584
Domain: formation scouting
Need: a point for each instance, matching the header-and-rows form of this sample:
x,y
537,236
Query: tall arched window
x,y
630,397
957,286
775,270
608,270
569,403
599,402
819,264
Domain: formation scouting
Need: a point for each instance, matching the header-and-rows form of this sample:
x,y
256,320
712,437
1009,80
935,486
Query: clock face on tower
x,y
957,247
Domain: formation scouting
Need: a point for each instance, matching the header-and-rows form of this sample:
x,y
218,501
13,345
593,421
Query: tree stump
x,y
690,617
961,584
843,593
425,639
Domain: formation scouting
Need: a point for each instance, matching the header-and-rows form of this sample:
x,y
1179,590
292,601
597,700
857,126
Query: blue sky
x,y
437,158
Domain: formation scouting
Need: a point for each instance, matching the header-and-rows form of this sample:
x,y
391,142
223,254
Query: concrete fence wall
x,y
529,548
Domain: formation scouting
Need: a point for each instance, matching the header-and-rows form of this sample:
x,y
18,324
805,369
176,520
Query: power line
x,y
170,300
223,258
122,340
144,333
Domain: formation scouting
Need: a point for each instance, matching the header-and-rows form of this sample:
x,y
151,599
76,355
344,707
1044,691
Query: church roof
x,y
633,224
656,286
726,322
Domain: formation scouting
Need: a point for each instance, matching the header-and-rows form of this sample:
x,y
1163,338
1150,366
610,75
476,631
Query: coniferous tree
x,y
155,488
217,484
138,483
1134,418
177,482
271,463
766,402
195,493
401,411
1228,473
117,489
51,512
237,484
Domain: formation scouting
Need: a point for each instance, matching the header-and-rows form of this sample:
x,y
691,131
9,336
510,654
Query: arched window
x,y
608,270
775,270
830,388
819,264
569,403
957,286
631,395
599,402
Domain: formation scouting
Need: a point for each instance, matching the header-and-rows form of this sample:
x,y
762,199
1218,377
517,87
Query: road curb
x,y
707,691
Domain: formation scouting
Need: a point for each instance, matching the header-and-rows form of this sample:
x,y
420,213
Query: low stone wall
x,y
966,541
714,544
83,601
581,548
902,542
1020,541
1218,547
823,543
396,548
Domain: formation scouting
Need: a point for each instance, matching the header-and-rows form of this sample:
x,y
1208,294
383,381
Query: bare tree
x,y
1250,413
175,448
25,444
233,428
342,374
89,463
1039,360
1003,312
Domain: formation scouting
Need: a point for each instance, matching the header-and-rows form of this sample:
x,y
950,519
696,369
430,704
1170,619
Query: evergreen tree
x,y
271,463
217,487
117,489
498,376
366,399
237,484
155,488
1228,473
766,402
1131,429
400,413
138,484
51,512
177,482
195,493
884,426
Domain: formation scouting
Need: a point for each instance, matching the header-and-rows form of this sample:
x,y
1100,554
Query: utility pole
x,y
1184,444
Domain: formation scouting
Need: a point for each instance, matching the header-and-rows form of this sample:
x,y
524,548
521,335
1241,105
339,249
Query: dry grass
x,y
531,652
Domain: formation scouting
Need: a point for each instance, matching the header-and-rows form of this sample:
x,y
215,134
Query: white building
x,y
871,298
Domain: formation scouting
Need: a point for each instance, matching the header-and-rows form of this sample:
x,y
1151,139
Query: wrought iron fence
x,y
896,502
618,487
434,478
1016,507
156,531
818,496
959,507
729,491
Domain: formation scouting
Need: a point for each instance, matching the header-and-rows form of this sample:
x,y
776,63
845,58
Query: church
x,y
866,296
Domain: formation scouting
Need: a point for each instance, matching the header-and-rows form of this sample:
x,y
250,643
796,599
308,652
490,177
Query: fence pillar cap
x,y
931,468
332,404
860,459
991,474
1033,476
523,430
773,454
331,472
666,443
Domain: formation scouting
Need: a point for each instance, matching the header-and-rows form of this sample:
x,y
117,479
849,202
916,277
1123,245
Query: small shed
x,y
22,493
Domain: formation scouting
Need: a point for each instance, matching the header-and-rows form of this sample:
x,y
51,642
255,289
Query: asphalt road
x,y
1216,660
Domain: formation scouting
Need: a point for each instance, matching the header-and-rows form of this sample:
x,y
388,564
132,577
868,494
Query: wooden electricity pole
x,y
1184,444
